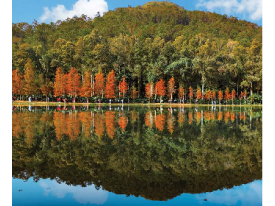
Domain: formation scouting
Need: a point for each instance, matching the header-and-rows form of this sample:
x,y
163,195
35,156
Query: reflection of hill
x,y
143,161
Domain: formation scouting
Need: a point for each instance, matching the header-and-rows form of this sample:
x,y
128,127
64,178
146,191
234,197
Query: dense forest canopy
x,y
143,44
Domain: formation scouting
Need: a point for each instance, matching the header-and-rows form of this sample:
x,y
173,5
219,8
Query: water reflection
x,y
149,152
249,194
82,195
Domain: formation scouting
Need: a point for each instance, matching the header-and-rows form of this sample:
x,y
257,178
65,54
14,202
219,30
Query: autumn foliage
x,y
17,83
149,90
181,92
160,88
58,83
220,96
99,84
171,88
73,83
123,87
123,120
86,89
110,85
198,93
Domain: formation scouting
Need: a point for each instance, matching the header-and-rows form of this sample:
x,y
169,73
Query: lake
x,y
137,155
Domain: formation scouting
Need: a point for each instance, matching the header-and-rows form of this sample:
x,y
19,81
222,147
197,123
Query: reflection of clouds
x,y
80,194
249,194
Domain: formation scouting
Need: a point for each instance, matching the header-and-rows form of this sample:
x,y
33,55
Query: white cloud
x,y
248,194
87,7
80,194
252,7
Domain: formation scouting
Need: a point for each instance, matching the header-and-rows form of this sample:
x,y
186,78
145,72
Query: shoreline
x,y
26,103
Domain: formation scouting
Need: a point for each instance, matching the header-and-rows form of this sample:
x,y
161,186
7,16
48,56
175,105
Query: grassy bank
x,y
26,103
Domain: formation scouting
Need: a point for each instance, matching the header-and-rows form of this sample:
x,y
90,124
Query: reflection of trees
x,y
144,161
110,123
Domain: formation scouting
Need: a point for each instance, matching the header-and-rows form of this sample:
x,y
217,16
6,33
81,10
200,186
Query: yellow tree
x,y
30,87
171,88
149,90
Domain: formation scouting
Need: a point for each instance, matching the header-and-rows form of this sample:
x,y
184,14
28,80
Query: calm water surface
x,y
137,156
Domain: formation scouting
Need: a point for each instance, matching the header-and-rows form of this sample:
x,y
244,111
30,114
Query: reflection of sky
x,y
47,192
80,194
249,194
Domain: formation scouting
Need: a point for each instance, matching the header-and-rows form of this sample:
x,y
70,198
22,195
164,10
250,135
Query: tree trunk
x,y
202,86
237,89
251,89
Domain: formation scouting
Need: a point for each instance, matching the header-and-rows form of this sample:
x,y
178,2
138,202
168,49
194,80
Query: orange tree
x,y
213,94
73,83
160,89
58,83
17,83
198,93
86,89
123,87
110,85
227,95
99,85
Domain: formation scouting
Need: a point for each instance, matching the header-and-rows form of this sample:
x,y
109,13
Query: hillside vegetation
x,y
142,44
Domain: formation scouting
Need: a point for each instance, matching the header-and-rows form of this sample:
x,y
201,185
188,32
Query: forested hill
x,y
144,44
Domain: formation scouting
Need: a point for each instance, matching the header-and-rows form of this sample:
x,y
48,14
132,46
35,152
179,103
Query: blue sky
x,y
52,10
49,192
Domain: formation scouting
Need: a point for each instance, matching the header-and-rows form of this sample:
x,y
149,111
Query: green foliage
x,y
146,43
141,161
